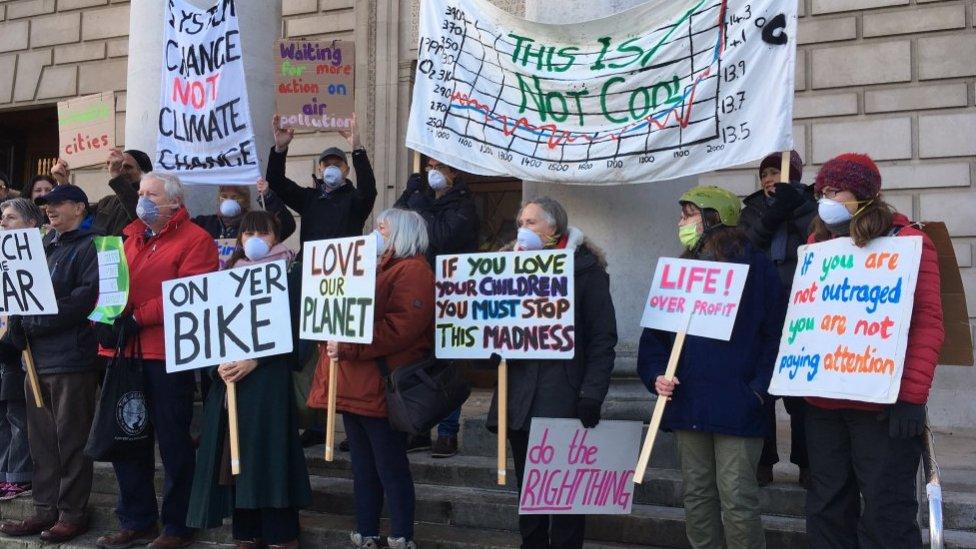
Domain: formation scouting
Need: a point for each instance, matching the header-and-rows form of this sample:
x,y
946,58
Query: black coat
x,y
552,388
452,219
338,214
214,224
779,242
117,210
65,342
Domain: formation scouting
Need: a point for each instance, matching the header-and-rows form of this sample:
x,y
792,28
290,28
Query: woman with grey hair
x,y
403,334
572,388
16,470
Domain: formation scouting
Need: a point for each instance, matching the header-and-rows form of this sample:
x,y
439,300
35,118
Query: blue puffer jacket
x,y
721,382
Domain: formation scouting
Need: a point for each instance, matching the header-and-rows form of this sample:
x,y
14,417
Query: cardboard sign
x,y
226,316
516,304
86,129
113,280
708,290
957,348
847,324
26,281
339,289
225,249
314,84
570,470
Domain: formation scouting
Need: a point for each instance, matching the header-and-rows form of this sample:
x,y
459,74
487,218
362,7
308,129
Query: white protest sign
x,y
570,470
339,289
667,89
708,290
846,328
26,281
226,316
516,304
205,134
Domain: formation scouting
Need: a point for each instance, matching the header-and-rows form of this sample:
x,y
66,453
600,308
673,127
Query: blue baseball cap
x,y
63,193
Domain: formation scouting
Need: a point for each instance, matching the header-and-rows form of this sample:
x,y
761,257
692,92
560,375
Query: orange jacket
x,y
403,332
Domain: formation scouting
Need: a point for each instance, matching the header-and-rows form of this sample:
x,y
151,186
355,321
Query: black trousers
x,y
796,407
544,531
272,526
852,456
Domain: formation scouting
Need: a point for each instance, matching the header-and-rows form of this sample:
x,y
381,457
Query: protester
x,y
864,457
573,388
15,460
403,334
718,394
446,204
115,211
234,201
161,245
273,485
777,220
64,351
333,208
38,186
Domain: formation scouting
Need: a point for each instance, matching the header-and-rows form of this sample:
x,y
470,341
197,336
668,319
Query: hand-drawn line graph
x,y
684,65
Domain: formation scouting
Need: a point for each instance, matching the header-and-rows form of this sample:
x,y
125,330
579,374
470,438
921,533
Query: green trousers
x,y
721,493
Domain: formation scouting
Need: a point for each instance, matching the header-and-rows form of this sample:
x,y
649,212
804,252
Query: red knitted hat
x,y
852,172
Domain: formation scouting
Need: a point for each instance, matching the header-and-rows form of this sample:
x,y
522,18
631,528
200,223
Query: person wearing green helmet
x,y
717,397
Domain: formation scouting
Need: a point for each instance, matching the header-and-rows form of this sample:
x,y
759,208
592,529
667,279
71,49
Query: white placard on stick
x,y
709,290
226,316
338,289
846,328
27,288
516,304
571,470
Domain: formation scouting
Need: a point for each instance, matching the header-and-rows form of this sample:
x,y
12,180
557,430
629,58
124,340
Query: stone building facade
x,y
892,78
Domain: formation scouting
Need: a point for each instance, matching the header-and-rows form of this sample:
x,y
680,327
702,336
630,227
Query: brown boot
x,y
124,539
64,531
254,544
171,542
30,526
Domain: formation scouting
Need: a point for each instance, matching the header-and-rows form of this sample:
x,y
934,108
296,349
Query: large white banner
x,y
846,328
205,131
667,89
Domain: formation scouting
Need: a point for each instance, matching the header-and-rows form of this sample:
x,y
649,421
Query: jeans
x,y
544,531
380,467
15,458
450,426
721,493
852,457
272,526
170,399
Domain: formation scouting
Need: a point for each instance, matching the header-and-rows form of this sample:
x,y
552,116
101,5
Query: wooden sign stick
x,y
502,421
784,167
645,454
235,449
32,376
330,414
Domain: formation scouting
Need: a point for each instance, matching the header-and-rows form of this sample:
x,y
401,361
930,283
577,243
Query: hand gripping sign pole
x,y
330,414
645,455
32,376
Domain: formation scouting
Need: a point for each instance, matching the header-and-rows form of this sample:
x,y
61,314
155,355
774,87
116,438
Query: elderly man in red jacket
x,y
161,245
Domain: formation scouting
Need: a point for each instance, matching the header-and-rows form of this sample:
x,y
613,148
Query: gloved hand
x,y
125,328
588,411
906,420
785,199
415,183
105,335
9,353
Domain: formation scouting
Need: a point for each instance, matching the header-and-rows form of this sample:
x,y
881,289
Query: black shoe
x,y
311,438
344,445
418,443
445,447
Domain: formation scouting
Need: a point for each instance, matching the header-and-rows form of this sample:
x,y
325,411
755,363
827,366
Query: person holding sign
x,y
234,201
777,220
447,206
273,484
717,397
64,350
333,208
572,388
15,459
861,451
403,334
163,244
115,211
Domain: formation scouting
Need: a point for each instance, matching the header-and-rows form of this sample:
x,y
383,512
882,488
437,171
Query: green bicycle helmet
x,y
728,205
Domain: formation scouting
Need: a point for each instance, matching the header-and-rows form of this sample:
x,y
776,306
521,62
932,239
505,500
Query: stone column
x,y
633,224
260,24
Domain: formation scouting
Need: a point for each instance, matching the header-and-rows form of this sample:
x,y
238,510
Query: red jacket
x,y
181,249
403,332
925,334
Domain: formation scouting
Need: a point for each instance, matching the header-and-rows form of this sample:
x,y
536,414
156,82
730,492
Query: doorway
x,y
28,143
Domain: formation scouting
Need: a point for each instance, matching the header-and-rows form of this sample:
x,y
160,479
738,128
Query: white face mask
x,y
256,249
833,212
333,177
436,180
380,242
230,208
528,240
